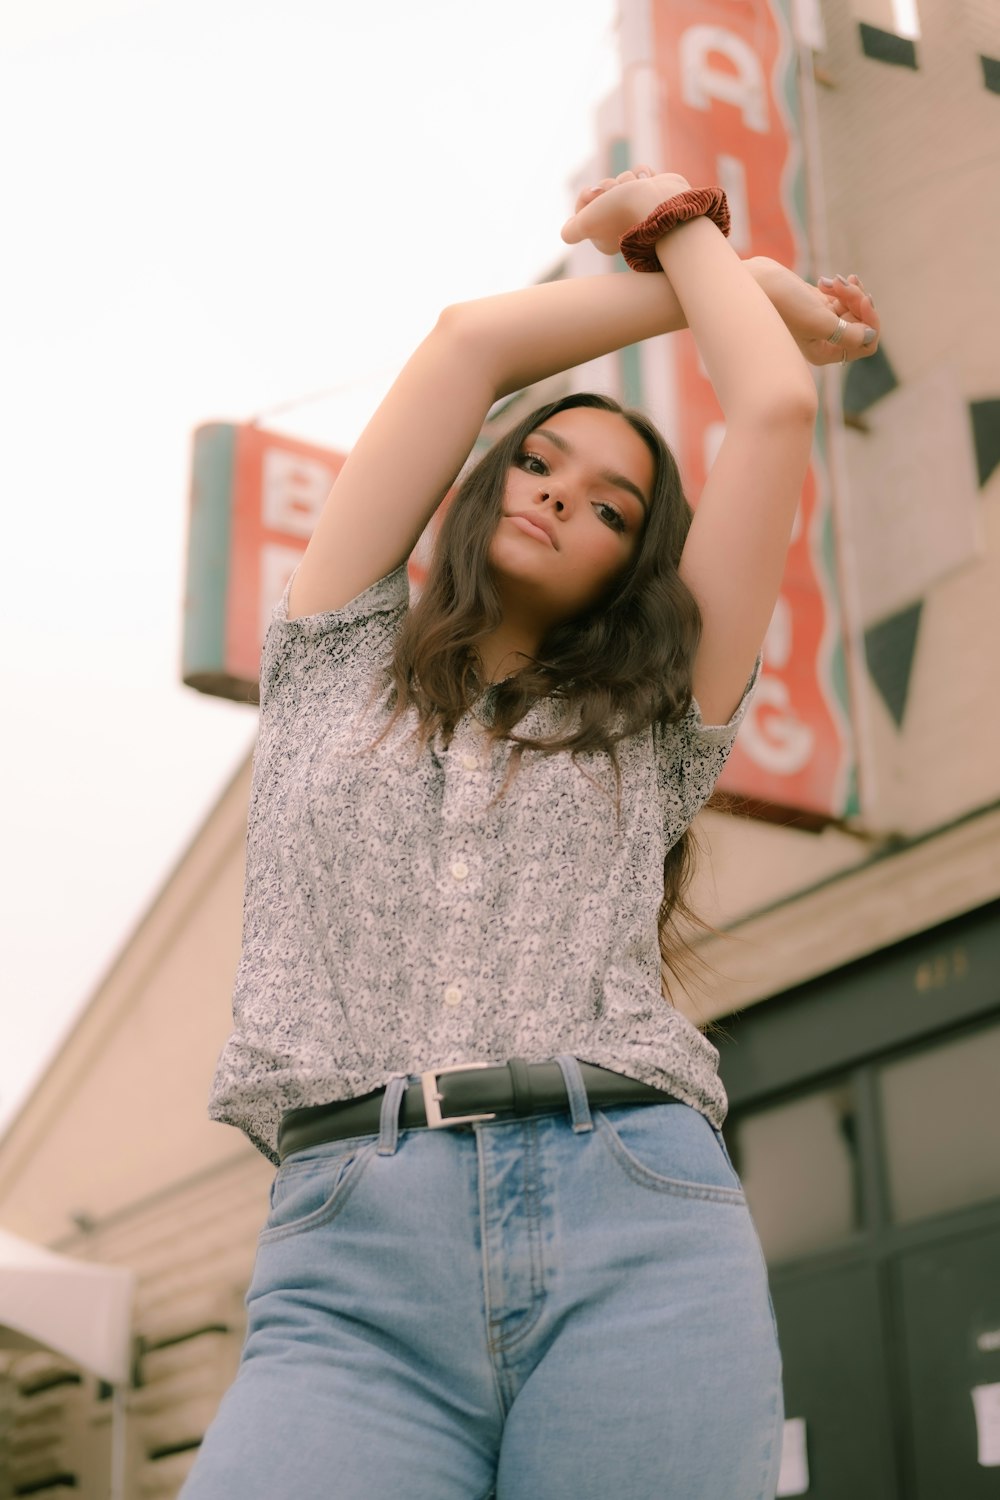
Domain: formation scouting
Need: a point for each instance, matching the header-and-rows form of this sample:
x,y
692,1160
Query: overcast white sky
x,y
212,207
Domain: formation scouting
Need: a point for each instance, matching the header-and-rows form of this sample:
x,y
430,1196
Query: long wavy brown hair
x,y
622,665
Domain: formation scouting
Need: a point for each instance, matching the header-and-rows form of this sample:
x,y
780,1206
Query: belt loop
x,y
579,1104
520,1080
388,1123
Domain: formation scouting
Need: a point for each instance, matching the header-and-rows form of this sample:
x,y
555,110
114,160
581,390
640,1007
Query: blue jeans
x,y
568,1307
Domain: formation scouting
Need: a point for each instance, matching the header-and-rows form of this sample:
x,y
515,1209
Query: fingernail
x,y
825,281
871,334
843,279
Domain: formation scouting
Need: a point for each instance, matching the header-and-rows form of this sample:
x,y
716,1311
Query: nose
x,y
545,495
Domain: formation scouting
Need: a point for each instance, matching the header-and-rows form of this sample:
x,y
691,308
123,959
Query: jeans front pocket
x,y
671,1148
312,1186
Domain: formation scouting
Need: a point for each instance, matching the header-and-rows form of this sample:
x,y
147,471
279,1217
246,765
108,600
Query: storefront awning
x,y
79,1309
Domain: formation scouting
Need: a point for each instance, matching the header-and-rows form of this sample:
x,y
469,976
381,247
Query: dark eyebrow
x,y
618,480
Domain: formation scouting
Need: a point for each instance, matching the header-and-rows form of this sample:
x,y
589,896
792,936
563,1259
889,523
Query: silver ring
x,y
838,333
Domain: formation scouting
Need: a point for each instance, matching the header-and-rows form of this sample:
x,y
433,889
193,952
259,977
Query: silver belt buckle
x,y
432,1099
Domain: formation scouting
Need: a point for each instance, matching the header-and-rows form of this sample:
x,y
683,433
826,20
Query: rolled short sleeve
x,y
690,756
354,638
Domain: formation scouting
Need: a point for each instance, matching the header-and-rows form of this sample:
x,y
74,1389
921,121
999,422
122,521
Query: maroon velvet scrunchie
x,y
637,243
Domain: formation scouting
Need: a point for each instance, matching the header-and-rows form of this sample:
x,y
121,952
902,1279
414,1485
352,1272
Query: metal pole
x,y
118,1413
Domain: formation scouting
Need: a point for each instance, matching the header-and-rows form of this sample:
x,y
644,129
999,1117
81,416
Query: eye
x,y
526,459
614,517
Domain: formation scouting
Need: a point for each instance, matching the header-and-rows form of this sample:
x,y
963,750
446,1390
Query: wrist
x,y
693,239
762,269
642,246
655,191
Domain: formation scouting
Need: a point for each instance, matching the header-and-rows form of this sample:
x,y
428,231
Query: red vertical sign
x,y
728,106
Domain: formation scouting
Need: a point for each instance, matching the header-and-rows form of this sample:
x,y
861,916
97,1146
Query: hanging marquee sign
x,y
255,499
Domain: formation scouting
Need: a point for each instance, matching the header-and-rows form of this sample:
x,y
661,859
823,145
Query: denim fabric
x,y
569,1307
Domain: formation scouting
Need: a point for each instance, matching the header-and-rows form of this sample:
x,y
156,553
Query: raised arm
x,y
411,451
734,555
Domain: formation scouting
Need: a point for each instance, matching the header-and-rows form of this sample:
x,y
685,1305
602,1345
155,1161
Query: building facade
x,y
851,983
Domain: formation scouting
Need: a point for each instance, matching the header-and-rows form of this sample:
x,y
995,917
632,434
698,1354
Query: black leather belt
x,y
462,1095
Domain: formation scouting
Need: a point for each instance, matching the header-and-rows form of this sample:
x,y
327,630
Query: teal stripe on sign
x,y
209,529
825,554
629,361
795,181
631,372
826,564
620,161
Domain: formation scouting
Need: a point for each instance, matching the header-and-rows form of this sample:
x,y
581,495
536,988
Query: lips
x,y
537,525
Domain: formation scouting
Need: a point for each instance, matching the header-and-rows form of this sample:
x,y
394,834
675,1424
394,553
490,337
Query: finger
x,y
588,194
854,285
832,356
850,338
570,233
850,300
862,307
860,341
857,290
579,227
837,286
574,231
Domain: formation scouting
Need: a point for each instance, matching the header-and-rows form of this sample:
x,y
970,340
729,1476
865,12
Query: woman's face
x,y
584,477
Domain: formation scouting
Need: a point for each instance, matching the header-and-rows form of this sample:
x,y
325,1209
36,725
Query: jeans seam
x,y
330,1209
673,1186
491,1347
505,1344
769,1469
767,1284
533,1215
291,1166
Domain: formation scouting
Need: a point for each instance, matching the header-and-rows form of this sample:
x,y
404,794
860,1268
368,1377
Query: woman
x,y
507,1252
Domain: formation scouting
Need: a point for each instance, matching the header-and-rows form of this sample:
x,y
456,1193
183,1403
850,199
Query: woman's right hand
x,y
811,313
607,211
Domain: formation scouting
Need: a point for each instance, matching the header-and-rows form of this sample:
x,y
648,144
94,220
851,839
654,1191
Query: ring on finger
x,y
838,333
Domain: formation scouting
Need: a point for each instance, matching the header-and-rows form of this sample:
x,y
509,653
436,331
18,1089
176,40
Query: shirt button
x,y
469,762
453,995
459,870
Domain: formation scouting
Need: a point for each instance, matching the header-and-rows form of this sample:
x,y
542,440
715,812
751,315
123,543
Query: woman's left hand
x,y
610,209
811,313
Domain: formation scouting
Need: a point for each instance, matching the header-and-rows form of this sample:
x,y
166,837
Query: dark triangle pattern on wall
x,y
887,47
867,381
890,647
986,436
991,73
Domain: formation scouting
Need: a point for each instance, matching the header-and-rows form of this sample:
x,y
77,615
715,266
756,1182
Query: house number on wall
x,y
935,972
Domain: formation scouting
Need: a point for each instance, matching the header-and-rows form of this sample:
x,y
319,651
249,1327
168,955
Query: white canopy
x,y
79,1309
